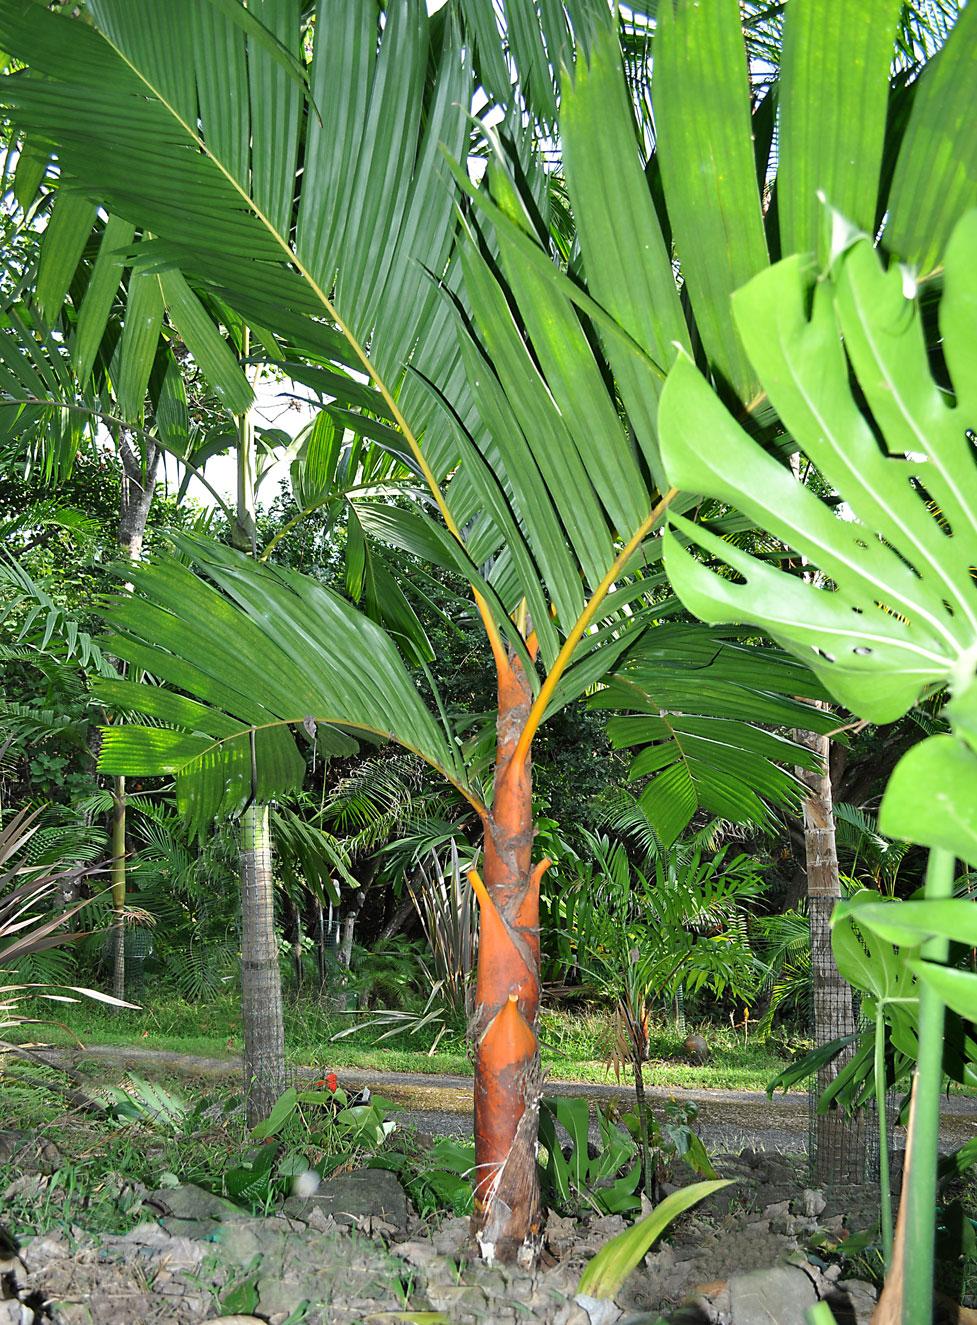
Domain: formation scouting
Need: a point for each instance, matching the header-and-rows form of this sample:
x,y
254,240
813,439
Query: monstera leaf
x,y
889,607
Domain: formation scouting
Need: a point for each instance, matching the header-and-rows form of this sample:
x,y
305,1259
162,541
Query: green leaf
x,y
236,631
140,339
100,293
215,358
607,1271
695,702
889,607
931,795
810,1064
908,924
957,989
282,1110
313,473
702,115
62,245
833,96
935,179
628,266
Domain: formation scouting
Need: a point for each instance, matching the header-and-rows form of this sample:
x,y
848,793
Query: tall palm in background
x,y
496,373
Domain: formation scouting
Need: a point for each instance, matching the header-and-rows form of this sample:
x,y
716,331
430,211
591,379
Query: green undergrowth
x,y
576,1046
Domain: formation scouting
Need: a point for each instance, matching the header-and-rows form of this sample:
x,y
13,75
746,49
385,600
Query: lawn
x,y
576,1046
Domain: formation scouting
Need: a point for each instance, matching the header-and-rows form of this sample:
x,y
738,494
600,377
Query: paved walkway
x,y
442,1104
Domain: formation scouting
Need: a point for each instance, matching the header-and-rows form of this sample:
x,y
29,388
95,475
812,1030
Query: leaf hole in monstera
x,y
862,651
933,507
858,610
828,657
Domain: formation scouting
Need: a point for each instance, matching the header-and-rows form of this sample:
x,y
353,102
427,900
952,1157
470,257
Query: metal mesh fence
x,y
843,1148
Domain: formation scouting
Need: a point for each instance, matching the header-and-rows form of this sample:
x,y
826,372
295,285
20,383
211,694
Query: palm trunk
x,y
261,984
118,883
838,1157
508,1212
138,486
262,1013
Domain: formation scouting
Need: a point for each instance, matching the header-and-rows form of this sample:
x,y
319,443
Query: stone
x,y
189,1201
607,1226
37,1252
14,1312
778,1296
452,1236
599,1310
811,1203
354,1198
560,1234
852,1300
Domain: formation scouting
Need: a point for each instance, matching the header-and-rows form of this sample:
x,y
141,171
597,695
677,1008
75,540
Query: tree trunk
x,y
138,485
508,1213
261,984
838,1157
261,978
118,883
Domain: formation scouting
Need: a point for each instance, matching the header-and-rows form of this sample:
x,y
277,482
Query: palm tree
x,y
500,379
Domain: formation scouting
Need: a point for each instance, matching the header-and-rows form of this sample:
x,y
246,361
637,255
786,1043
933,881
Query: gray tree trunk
x,y
139,469
261,984
838,1157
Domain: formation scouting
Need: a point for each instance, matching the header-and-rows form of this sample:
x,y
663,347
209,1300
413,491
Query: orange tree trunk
x,y
507,1216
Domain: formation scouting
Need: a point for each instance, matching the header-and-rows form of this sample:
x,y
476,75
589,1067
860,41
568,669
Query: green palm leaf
x,y
262,650
707,715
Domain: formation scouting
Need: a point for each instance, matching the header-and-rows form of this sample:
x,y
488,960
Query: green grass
x,y
576,1046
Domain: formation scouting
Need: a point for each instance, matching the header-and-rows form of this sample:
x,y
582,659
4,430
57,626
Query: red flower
x,y
332,1082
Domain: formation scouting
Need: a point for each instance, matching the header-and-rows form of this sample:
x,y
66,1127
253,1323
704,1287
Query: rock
x,y
778,1296
599,1310
852,1300
191,1202
13,1312
452,1236
810,1204
36,1252
354,1198
607,1226
571,1314
560,1234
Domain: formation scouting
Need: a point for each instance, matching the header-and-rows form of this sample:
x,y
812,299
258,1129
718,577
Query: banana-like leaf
x,y
890,607
261,650
708,715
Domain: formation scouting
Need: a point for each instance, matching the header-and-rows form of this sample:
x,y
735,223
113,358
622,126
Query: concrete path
x,y
442,1104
